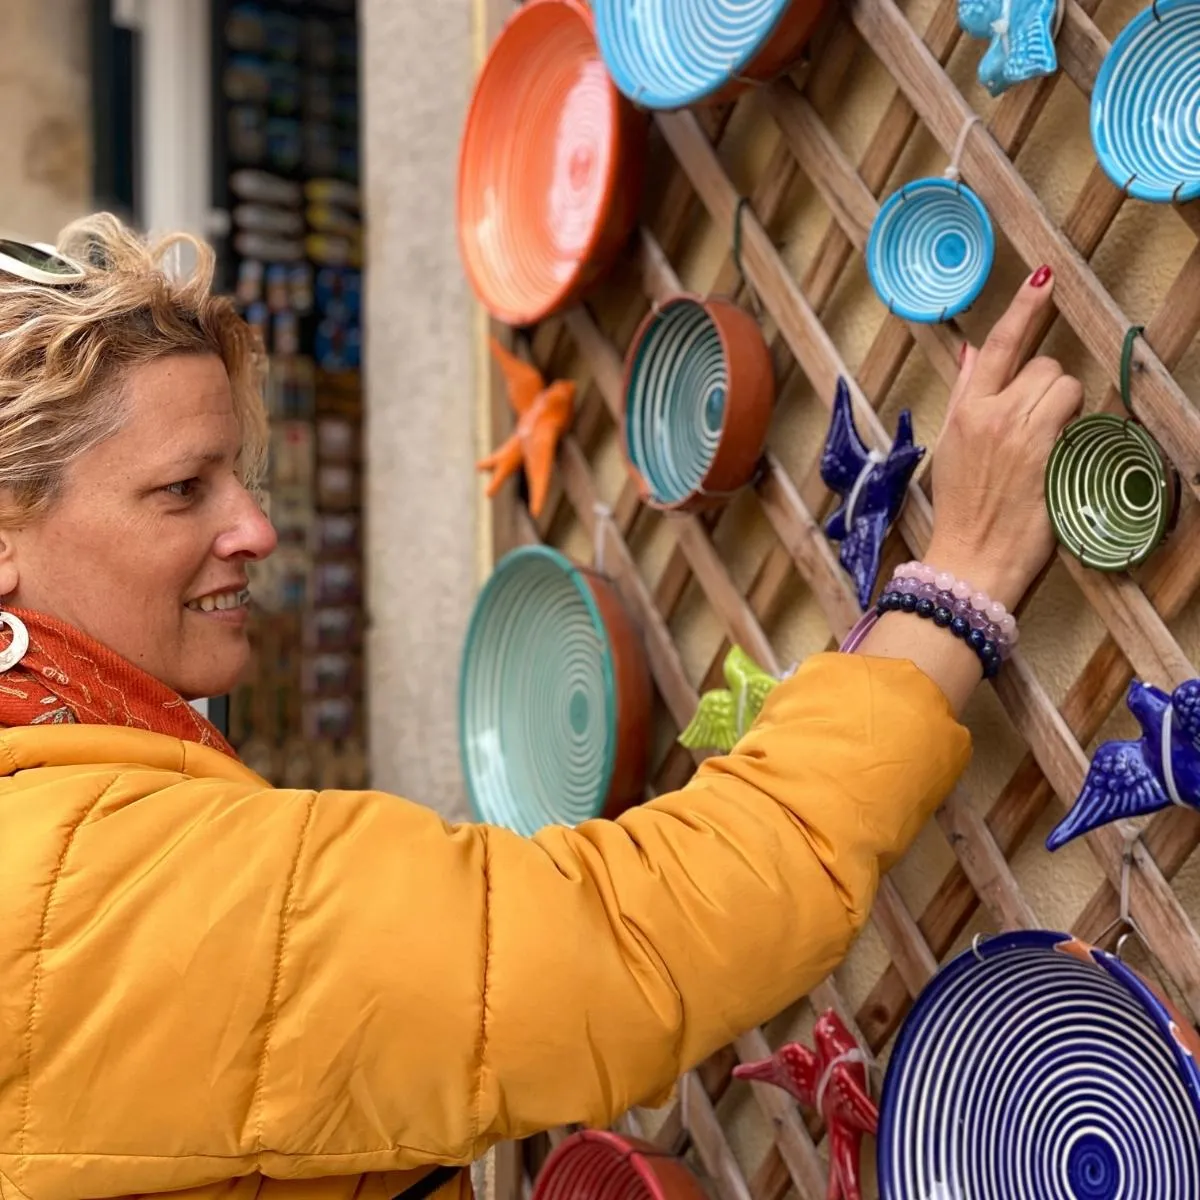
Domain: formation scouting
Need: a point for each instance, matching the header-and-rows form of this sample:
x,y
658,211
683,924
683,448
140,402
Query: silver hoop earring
x,y
15,650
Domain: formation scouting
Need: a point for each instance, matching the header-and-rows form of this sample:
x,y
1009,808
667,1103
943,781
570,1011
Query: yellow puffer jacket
x,y
210,984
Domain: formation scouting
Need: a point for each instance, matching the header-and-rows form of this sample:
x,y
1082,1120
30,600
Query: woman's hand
x,y
990,526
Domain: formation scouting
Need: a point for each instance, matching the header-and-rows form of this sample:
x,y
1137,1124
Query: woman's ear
x,y
9,574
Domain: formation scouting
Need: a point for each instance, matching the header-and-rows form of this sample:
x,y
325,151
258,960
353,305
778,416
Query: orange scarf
x,y
67,678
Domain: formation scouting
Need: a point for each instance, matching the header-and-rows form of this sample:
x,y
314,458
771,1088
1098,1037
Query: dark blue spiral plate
x,y
1024,1072
537,697
668,54
1146,104
930,250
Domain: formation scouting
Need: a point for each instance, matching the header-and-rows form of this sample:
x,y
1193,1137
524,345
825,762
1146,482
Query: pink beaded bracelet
x,y
958,595
961,590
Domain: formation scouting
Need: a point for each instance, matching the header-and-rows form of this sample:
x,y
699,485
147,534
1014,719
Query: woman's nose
x,y
249,534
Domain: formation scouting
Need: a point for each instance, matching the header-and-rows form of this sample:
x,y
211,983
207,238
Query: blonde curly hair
x,y
65,350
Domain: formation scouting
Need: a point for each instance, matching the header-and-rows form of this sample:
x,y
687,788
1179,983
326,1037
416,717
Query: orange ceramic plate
x,y
550,166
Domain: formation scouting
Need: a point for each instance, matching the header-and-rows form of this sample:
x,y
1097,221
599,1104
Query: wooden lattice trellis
x,y
1135,609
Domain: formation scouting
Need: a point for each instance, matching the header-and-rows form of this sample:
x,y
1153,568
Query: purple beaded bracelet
x,y
985,625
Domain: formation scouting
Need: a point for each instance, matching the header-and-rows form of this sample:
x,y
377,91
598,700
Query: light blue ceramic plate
x,y
668,54
1038,1067
537,701
1146,104
931,249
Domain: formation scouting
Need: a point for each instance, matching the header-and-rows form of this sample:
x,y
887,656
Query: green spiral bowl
x,y
1110,493
554,696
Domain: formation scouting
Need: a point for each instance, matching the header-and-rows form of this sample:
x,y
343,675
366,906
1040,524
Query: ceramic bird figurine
x,y
724,715
1128,779
832,1081
543,414
1021,33
872,486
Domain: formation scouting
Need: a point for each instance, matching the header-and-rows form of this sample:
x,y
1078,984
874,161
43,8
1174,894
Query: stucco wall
x,y
45,165
417,65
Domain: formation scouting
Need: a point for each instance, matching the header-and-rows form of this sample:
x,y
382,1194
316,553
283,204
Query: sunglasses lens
x,y
40,260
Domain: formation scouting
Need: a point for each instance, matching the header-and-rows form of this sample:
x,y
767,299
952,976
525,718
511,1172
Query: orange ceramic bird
x,y
543,414
833,1081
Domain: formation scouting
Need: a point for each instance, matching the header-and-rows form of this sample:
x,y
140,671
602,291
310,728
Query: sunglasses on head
x,y
38,263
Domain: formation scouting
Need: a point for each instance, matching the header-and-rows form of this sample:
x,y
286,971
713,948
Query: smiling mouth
x,y
220,601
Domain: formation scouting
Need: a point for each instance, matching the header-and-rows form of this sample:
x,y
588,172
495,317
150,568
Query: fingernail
x,y
962,354
1041,277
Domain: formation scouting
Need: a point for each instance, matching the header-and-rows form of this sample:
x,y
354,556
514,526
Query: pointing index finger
x,y
1007,345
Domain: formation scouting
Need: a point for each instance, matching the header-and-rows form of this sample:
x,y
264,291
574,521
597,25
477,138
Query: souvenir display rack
x,y
806,318
286,173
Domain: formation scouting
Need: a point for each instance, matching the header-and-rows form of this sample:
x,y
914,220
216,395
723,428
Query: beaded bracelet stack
x,y
952,604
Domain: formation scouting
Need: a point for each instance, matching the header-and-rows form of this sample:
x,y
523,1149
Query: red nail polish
x,y
1041,277
962,354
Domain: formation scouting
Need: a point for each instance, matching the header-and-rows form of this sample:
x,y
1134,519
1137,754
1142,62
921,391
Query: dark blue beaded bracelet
x,y
987,651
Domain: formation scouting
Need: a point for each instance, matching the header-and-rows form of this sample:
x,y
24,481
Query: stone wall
x,y
45,155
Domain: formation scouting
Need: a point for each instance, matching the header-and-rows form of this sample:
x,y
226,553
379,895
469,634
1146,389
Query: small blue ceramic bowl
x,y
931,250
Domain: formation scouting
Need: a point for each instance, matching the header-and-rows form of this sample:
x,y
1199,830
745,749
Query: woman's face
x,y
146,547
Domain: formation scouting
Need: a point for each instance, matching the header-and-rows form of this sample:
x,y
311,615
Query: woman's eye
x,y
184,489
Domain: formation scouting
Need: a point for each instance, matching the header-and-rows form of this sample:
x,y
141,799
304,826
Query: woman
x,y
211,984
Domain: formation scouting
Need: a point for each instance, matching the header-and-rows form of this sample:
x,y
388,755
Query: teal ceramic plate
x,y
553,696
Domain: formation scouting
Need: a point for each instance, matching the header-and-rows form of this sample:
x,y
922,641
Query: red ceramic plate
x,y
550,166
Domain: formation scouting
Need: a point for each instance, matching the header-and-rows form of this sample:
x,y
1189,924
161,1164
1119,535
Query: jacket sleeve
x,y
231,979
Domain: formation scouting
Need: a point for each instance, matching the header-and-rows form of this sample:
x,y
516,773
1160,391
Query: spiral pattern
x,y
668,54
1145,113
1108,492
930,250
537,163
537,722
1034,1073
675,404
591,1170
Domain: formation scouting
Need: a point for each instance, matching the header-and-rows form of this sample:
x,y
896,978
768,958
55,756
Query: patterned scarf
x,y
67,678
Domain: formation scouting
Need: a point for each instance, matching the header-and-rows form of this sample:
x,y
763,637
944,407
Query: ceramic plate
x,y
668,54
1146,104
1109,492
550,663
1037,1068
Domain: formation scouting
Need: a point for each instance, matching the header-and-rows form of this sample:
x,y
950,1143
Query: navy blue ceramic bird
x,y
1128,779
872,486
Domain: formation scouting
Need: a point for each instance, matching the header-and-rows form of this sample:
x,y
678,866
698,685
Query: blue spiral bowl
x,y
554,696
1036,1066
1145,114
930,250
669,54
698,394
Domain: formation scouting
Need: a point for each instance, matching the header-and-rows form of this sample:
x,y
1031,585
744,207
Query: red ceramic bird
x,y
833,1081
543,414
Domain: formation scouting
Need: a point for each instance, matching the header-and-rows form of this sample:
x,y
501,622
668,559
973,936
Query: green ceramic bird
x,y
724,715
